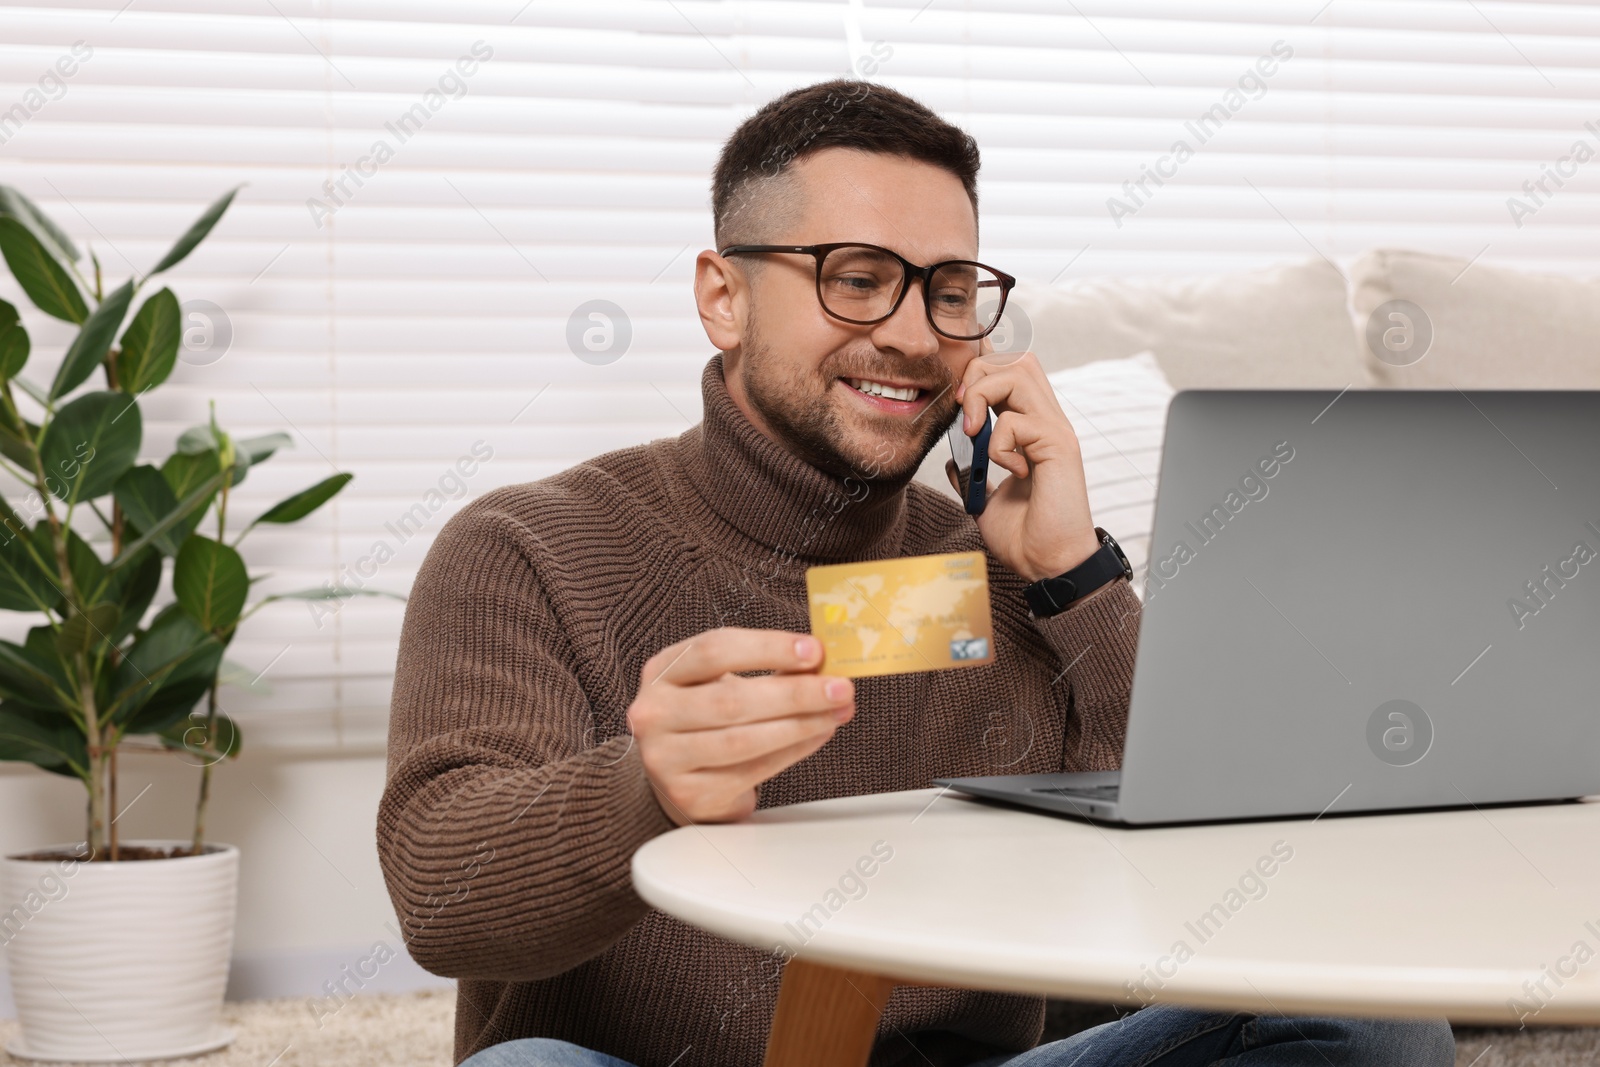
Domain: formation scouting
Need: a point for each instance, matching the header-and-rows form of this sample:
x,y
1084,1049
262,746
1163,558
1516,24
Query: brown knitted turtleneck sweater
x,y
515,798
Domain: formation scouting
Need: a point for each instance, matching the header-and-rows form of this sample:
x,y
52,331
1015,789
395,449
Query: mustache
x,y
933,375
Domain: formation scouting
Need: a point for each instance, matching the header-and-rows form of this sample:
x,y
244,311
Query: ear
x,y
721,296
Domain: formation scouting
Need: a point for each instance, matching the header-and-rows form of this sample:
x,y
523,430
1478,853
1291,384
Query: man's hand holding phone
x,y
708,736
1036,522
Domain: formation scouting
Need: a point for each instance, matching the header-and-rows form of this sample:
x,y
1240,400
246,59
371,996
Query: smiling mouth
x,y
868,387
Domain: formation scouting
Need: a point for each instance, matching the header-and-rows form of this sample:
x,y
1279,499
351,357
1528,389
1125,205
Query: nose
x,y
907,331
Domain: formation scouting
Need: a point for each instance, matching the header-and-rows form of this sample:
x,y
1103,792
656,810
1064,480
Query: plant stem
x,y
211,707
116,548
111,799
205,773
93,735
97,758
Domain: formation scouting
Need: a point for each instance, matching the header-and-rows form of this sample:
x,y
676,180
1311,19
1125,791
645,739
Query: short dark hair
x,y
842,113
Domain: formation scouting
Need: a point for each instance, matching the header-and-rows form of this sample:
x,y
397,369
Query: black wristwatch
x,y
1052,596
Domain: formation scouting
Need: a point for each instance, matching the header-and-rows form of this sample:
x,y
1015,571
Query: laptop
x,y
1367,601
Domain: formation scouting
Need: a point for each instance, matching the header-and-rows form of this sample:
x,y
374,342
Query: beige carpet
x,y
414,1031
1547,1047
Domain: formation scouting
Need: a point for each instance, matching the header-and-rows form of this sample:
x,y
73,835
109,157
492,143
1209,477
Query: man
x,y
592,659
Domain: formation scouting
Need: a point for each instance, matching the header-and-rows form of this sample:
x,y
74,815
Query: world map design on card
x,y
918,613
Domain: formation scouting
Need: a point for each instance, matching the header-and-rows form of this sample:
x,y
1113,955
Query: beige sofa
x,y
1463,324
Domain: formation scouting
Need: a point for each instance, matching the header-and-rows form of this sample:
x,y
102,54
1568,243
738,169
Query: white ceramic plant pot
x,y
119,961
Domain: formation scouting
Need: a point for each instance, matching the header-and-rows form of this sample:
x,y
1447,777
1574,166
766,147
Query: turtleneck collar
x,y
778,501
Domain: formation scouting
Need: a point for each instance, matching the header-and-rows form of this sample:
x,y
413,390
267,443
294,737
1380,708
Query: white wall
x,y
311,896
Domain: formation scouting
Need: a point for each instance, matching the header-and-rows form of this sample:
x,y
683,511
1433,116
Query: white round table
x,y
1488,915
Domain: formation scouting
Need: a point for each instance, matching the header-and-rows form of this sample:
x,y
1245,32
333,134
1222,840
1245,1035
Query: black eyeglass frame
x,y
821,252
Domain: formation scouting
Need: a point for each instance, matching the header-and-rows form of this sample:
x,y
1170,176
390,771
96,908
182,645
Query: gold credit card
x,y
890,616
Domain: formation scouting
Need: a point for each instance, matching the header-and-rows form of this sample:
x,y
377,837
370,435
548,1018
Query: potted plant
x,y
117,949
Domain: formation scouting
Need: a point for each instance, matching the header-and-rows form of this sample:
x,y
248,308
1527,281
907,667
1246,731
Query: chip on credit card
x,y
891,616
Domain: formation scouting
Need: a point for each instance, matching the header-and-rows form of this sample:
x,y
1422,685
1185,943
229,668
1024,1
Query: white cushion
x,y
1492,327
1286,327
1119,409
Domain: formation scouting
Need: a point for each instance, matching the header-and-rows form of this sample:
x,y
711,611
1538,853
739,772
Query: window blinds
x,y
463,253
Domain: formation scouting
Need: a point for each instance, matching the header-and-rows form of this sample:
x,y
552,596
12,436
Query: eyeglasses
x,y
864,284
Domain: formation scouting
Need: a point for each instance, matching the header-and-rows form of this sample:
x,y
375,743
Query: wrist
x,y
1072,552
1053,594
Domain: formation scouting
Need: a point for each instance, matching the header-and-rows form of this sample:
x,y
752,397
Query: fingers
x,y
763,767
732,700
1019,385
707,656
732,746
723,794
1009,443
707,735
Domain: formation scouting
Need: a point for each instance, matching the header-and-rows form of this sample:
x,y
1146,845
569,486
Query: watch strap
x,y
1051,596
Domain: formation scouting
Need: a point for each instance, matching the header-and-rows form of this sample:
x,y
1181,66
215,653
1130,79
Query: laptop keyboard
x,y
1091,792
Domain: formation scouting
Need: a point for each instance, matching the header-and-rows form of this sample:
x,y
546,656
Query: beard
x,y
799,406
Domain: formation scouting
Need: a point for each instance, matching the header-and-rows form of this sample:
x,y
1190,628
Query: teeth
x,y
872,388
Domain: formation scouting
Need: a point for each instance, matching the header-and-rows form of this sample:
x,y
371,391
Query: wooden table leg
x,y
826,1017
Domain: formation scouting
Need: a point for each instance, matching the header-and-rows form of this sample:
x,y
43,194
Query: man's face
x,y
812,381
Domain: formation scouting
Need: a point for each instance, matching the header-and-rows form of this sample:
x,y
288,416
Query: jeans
x,y
1157,1036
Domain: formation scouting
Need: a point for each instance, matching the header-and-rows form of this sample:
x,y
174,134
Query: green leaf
x,y
150,344
89,576
88,350
15,448
190,735
198,439
10,522
236,674
38,394
259,448
184,471
84,630
23,586
197,232
47,739
14,343
14,348
303,503
208,439
90,443
164,673
210,581
34,674
25,211
146,499
132,588
331,592
45,281
182,520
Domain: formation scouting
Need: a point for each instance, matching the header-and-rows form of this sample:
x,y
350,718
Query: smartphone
x,y
971,455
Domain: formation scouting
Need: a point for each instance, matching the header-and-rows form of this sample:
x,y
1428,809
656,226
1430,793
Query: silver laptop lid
x,y
1390,600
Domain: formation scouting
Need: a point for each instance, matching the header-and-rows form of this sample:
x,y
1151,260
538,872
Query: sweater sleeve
x,y
505,831
1096,641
